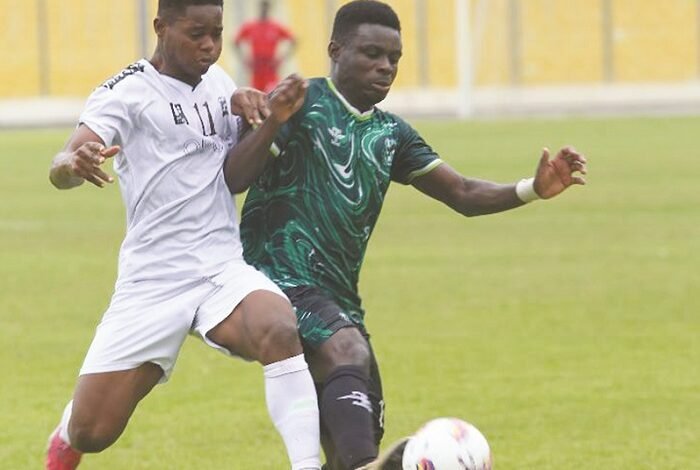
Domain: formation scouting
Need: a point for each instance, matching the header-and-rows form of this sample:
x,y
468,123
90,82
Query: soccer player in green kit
x,y
316,191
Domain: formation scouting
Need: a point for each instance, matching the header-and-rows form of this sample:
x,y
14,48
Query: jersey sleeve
x,y
284,33
414,157
107,115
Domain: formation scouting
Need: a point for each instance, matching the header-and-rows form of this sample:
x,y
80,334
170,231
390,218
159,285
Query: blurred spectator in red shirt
x,y
263,35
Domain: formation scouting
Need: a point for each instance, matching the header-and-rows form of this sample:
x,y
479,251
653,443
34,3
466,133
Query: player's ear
x,y
333,50
159,25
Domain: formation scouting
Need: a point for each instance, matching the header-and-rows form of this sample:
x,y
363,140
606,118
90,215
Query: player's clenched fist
x,y
287,97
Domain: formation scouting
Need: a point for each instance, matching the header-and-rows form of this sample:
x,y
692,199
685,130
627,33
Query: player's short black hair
x,y
172,8
353,14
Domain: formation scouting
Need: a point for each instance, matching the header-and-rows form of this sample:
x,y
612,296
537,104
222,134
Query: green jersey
x,y
308,218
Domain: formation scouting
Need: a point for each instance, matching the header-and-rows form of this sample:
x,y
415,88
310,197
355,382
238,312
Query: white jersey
x,y
180,216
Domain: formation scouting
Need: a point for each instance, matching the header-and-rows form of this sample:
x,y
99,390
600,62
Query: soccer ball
x,y
447,444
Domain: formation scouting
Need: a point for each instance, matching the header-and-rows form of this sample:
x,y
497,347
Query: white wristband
x,y
525,189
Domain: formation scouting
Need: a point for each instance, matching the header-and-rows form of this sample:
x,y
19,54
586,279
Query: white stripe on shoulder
x,y
425,170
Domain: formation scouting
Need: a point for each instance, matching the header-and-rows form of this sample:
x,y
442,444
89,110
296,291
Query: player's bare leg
x,y
263,328
101,407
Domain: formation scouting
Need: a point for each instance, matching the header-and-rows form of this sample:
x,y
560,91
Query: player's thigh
x,y
248,316
261,327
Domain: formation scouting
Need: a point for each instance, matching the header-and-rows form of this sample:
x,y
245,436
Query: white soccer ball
x,y
447,444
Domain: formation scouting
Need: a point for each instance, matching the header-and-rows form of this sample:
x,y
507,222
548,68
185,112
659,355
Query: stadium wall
x,y
70,46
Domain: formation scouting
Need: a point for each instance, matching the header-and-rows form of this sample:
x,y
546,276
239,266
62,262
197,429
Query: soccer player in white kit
x,y
168,122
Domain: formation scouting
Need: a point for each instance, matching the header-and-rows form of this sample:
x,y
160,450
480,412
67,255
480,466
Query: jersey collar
x,y
360,116
172,81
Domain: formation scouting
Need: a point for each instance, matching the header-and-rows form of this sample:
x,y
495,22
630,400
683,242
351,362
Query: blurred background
x,y
461,57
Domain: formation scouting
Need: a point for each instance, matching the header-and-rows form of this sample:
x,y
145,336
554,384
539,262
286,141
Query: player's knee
x,y
279,340
348,347
92,437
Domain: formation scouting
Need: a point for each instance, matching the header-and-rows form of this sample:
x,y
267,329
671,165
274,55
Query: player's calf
x,y
346,411
92,438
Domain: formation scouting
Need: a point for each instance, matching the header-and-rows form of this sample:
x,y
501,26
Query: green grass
x,y
567,331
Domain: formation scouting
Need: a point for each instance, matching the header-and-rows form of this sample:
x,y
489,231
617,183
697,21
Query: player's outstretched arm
x,y
80,160
473,197
247,159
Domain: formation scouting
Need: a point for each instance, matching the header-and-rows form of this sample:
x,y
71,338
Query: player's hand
x,y
553,176
85,162
287,97
250,104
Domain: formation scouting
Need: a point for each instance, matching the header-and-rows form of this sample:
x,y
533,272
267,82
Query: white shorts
x,y
147,321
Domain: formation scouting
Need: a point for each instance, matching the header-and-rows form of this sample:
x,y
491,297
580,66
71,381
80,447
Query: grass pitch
x,y
567,330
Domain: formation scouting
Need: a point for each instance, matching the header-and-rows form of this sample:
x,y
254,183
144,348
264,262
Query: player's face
x,y
366,63
191,43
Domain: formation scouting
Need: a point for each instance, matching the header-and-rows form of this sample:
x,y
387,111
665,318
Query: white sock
x,y
291,402
63,427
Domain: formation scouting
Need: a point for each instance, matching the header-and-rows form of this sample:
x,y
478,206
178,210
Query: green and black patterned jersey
x,y
308,217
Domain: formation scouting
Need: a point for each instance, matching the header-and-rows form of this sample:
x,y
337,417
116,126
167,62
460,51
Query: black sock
x,y
347,414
